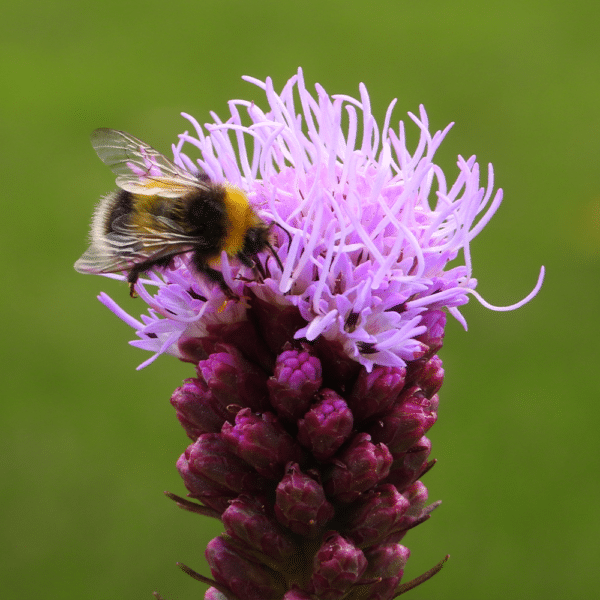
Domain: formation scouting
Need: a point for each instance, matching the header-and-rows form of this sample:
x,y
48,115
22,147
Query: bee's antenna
x,y
275,256
286,232
268,244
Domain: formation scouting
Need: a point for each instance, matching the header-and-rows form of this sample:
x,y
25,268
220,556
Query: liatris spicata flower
x,y
314,390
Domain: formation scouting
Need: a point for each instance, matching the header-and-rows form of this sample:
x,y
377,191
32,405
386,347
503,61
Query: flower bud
x,y
297,377
326,426
358,468
300,503
386,563
374,392
339,370
210,469
406,422
246,520
410,465
191,349
233,380
337,566
417,496
428,374
201,488
277,320
241,334
417,512
246,579
197,410
262,442
378,514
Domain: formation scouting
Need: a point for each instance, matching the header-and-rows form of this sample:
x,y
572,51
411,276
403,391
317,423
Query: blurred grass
x,y
88,443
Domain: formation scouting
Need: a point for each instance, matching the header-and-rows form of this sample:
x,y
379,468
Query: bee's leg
x,y
142,267
217,277
255,265
258,268
132,278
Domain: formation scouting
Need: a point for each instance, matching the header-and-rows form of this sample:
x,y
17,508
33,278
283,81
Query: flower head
x,y
317,383
366,230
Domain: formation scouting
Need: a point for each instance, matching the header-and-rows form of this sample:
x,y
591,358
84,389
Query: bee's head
x,y
257,239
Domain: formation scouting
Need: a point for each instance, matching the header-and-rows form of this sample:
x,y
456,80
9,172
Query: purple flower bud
x,y
262,442
407,421
417,496
242,335
428,374
339,370
202,488
416,514
358,468
386,563
380,513
410,465
191,349
435,321
246,579
210,470
338,565
300,503
233,380
246,520
326,426
277,322
374,392
296,379
197,409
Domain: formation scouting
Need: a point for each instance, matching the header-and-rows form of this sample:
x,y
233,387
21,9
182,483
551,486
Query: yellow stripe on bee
x,y
241,218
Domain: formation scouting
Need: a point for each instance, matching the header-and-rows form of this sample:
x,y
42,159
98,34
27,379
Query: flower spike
x,y
315,348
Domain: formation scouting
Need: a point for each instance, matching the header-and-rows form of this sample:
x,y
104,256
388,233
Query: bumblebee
x,y
161,211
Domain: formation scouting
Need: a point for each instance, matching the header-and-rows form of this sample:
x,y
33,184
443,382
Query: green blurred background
x,y
88,444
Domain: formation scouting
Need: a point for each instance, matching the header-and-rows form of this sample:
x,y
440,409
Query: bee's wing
x,y
141,169
126,247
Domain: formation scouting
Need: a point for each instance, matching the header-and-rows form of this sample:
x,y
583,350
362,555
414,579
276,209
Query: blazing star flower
x,y
313,393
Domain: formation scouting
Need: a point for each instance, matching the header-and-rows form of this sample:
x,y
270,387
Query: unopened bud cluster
x,y
311,462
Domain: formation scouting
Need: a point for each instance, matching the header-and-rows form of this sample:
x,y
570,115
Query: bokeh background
x,y
88,444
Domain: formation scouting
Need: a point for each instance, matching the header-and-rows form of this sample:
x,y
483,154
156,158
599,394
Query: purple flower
x,y
315,388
